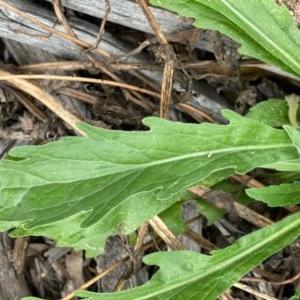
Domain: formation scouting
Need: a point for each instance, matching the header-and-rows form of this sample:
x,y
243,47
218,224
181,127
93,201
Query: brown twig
x,y
133,255
102,26
168,56
61,17
242,211
192,111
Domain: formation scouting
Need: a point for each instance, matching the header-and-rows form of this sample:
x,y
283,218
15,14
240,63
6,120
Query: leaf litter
x,y
53,272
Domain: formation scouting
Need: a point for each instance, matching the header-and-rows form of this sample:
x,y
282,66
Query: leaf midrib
x,y
292,62
210,153
225,264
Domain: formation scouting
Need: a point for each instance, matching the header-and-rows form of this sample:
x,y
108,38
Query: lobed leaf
x,y
284,194
209,211
281,195
79,191
289,165
198,276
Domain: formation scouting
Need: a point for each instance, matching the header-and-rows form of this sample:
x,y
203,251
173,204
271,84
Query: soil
x,y
205,80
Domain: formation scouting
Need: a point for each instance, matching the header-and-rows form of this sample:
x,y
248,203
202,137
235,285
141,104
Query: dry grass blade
x,y
166,87
8,76
167,54
165,234
152,22
254,292
98,277
49,101
103,22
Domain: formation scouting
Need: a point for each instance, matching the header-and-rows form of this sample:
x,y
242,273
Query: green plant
x,y
79,191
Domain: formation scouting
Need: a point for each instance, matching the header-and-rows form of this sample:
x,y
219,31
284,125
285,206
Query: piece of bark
x,y
115,251
124,13
189,211
12,284
23,31
13,26
128,13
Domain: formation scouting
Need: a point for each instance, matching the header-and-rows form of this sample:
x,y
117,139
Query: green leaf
x,y
293,103
198,276
294,135
289,165
234,189
79,191
272,112
265,29
295,297
297,294
281,195
284,194
209,211
173,219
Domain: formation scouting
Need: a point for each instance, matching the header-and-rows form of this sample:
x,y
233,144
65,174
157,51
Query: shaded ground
x,y
207,77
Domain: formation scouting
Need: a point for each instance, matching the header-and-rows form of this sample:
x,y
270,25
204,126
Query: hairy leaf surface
x,y
265,29
79,191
